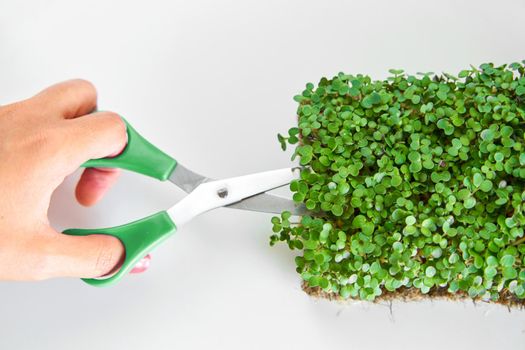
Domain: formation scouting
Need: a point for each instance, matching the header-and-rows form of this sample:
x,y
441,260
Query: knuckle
x,y
84,85
113,118
116,124
69,89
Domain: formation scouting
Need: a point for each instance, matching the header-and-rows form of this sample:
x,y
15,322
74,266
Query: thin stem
x,y
519,241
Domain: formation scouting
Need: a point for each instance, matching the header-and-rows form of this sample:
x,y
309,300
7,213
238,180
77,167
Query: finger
x,y
83,256
69,99
94,183
142,265
93,136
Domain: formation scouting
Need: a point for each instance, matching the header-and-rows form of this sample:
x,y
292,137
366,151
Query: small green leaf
x,y
337,210
430,271
469,203
507,260
486,186
282,141
498,157
410,220
477,180
368,228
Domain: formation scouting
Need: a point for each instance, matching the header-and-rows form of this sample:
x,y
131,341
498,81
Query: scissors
x,y
204,194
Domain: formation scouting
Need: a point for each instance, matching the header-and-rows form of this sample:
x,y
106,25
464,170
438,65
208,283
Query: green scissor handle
x,y
138,237
139,156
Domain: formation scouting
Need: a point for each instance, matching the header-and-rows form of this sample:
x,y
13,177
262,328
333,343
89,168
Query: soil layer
x,y
414,294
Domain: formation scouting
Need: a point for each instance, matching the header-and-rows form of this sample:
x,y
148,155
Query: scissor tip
x,y
297,169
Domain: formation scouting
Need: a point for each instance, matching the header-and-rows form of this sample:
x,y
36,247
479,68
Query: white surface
x,y
212,83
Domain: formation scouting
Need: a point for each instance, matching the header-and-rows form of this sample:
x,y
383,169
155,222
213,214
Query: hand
x,y
42,140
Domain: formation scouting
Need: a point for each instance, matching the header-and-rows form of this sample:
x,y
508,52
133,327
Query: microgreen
x,y
412,181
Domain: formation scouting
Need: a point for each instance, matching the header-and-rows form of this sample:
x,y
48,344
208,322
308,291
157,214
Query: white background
x,y
212,82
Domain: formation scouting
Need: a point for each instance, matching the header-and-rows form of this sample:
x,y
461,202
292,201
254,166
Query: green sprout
x,y
411,182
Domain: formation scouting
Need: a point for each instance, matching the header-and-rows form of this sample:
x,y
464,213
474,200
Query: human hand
x,y
42,140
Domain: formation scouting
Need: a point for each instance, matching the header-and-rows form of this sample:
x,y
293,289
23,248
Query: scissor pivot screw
x,y
223,193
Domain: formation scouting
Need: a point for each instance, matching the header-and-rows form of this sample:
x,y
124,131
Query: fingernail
x,y
142,265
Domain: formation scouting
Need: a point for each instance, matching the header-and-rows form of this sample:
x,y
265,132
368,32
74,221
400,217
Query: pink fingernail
x,y
142,265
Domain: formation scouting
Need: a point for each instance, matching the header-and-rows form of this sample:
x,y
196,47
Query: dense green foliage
x,y
413,181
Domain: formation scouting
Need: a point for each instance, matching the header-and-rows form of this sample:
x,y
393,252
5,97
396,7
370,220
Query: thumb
x,y
84,256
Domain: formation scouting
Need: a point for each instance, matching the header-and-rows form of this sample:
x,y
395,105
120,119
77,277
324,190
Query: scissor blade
x,y
214,194
188,180
269,203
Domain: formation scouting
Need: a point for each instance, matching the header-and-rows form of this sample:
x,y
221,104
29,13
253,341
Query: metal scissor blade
x,y
186,179
214,194
269,203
